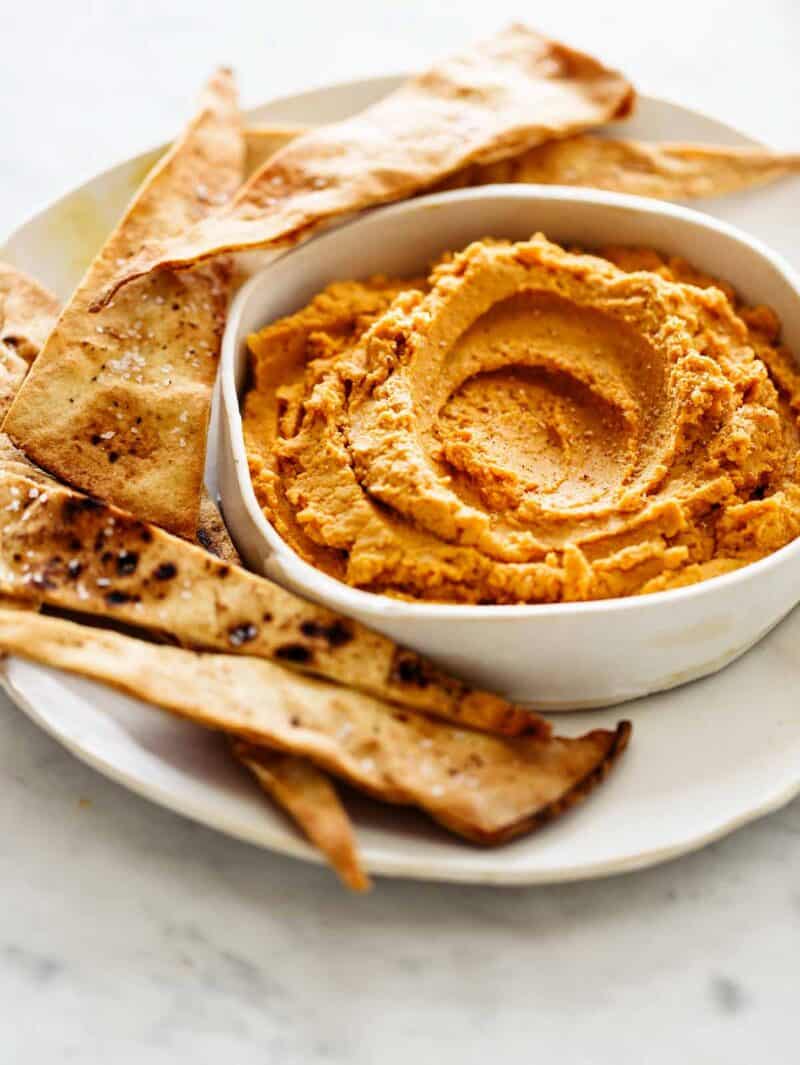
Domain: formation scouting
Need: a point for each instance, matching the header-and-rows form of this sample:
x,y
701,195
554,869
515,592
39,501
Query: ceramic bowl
x,y
554,656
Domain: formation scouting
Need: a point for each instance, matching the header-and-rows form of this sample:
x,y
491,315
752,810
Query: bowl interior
x,y
404,239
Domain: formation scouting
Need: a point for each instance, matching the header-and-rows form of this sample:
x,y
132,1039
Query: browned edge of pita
x,y
118,404
485,788
498,98
571,798
27,312
212,533
78,554
310,799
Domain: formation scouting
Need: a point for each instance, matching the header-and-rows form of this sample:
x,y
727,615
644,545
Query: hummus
x,y
527,425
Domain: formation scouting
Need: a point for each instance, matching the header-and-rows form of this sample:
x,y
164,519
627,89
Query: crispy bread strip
x,y
310,799
28,313
664,171
495,99
119,404
82,555
485,788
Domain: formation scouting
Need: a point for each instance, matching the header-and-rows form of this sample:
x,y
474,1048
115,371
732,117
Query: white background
x,y
128,935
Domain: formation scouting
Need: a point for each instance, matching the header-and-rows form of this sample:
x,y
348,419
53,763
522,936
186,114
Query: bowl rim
x,y
348,599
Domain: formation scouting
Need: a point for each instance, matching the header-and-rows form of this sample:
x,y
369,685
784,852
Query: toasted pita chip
x,y
81,555
119,404
310,799
664,171
485,788
212,533
13,370
14,461
262,142
493,100
27,314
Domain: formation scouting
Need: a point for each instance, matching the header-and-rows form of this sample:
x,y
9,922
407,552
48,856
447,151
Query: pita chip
x,y
13,369
485,788
118,404
212,532
495,99
27,314
665,171
78,554
661,170
310,799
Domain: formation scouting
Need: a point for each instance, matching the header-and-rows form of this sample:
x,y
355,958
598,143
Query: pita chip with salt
x,y
495,99
488,789
118,403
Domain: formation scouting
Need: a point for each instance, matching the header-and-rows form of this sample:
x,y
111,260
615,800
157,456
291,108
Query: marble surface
x,y
128,934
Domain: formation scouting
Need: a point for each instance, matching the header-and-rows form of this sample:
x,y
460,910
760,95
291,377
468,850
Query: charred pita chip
x,y
498,98
664,171
485,788
118,404
79,554
27,314
310,799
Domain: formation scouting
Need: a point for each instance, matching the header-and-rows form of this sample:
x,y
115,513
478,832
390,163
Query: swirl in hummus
x,y
527,425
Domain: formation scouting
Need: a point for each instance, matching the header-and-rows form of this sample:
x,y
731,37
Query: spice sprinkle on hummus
x,y
527,425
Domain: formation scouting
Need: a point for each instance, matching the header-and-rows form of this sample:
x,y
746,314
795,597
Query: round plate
x,y
705,758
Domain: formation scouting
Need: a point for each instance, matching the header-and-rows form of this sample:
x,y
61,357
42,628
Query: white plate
x,y
717,754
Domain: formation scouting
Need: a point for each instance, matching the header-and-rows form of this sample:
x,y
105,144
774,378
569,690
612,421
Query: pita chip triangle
x,y
118,403
496,98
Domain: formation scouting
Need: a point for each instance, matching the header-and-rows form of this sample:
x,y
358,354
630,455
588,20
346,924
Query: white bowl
x,y
555,656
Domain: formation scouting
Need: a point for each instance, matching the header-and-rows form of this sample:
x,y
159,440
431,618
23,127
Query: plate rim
x,y
290,842
293,845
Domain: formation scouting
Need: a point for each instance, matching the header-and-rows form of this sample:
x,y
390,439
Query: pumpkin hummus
x,y
527,425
